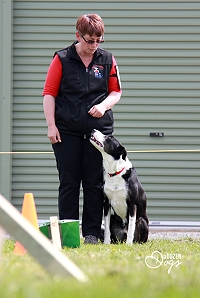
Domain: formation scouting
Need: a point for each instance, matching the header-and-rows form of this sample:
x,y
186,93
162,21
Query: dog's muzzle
x,y
96,141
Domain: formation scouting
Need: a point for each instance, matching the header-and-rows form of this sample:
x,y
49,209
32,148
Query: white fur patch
x,y
107,228
131,228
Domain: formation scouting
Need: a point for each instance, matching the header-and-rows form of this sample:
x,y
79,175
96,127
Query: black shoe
x,y
89,239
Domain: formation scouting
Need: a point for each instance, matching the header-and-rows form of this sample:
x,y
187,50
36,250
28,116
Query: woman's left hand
x,y
97,111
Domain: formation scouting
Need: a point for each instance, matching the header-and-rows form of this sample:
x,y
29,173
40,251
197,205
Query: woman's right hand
x,y
53,134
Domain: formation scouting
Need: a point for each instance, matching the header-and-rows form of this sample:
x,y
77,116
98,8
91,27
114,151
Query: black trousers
x,y
79,161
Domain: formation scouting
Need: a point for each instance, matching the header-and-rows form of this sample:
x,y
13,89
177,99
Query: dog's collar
x,y
116,173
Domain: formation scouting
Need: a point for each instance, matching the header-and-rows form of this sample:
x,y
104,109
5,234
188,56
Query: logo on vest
x,y
98,71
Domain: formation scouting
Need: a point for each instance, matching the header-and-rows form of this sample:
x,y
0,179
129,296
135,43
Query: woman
x,y
82,85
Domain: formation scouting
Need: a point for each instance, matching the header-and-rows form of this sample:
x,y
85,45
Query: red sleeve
x,y
53,78
114,83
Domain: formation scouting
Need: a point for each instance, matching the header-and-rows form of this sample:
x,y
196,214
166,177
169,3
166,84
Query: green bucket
x,y
45,229
69,232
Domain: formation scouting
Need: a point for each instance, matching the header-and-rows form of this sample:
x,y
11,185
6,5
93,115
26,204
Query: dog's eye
x,y
109,137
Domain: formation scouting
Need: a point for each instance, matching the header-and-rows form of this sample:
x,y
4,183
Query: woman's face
x,y
88,43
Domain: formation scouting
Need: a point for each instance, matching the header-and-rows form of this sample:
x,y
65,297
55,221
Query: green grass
x,y
113,271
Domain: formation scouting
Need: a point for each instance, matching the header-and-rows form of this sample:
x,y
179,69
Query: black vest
x,y
80,89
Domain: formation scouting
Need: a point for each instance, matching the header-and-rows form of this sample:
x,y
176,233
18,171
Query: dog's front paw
x,y
107,240
129,242
107,235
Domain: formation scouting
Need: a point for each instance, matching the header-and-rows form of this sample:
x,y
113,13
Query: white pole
x,y
2,233
36,243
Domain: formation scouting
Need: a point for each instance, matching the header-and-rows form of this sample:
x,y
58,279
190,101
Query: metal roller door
x,y
156,44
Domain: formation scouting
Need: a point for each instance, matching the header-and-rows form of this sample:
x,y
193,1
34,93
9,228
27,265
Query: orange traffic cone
x,y
29,212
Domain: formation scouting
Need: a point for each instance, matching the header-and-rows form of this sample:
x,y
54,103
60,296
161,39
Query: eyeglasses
x,y
90,41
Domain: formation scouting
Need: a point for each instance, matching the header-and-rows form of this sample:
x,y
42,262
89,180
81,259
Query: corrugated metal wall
x,y
156,45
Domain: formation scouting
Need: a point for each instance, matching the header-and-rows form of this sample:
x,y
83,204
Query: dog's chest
x,y
116,190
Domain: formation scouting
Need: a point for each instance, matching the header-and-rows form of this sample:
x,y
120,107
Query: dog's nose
x,y
93,131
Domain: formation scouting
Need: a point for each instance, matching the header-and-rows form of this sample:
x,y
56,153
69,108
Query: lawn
x,y
113,271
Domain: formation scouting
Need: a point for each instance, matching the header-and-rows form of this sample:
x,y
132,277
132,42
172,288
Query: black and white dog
x,y
123,192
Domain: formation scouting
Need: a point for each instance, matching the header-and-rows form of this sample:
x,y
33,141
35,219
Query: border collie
x,y
123,192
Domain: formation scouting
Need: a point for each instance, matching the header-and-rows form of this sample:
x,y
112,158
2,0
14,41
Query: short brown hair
x,y
91,24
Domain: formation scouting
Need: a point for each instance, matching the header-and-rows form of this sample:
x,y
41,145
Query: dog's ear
x,y
122,156
122,152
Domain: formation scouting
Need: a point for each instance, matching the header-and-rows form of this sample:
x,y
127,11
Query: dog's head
x,y
111,149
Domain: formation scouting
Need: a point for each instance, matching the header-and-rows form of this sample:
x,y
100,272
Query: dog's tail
x,y
141,231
